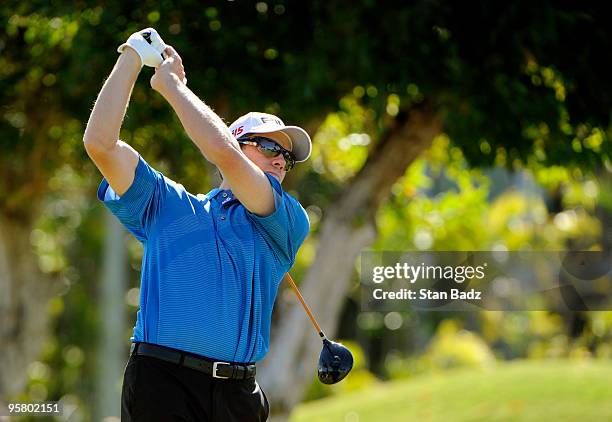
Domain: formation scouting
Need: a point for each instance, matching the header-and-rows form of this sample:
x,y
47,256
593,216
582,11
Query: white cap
x,y
255,122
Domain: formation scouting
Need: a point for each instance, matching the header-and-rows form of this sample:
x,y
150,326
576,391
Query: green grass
x,y
519,391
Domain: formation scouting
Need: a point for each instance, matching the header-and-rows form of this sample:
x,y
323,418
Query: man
x,y
212,263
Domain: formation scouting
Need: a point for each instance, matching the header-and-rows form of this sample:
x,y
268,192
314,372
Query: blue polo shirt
x,y
210,268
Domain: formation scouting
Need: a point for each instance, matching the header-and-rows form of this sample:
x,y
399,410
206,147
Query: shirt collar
x,y
226,195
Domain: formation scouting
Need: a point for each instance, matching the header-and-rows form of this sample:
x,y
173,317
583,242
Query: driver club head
x,y
335,362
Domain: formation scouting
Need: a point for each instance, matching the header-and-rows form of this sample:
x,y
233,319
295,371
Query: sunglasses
x,y
270,149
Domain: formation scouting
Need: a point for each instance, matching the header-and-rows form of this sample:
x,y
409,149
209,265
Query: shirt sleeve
x,y
287,227
138,207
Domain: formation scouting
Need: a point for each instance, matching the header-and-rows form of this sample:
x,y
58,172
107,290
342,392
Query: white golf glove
x,y
149,46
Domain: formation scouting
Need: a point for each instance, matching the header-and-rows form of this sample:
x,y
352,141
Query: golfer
x,y
212,262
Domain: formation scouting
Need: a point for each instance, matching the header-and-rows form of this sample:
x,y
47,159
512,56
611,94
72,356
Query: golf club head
x,y
335,362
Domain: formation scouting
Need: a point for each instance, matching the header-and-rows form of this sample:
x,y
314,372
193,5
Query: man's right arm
x,y
115,159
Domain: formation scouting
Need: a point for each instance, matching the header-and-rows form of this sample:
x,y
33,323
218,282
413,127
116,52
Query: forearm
x,y
205,128
109,110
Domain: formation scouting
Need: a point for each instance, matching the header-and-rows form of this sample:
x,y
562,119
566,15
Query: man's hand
x,y
149,46
170,72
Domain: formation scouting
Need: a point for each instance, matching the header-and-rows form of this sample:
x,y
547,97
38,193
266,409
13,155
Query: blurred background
x,y
436,126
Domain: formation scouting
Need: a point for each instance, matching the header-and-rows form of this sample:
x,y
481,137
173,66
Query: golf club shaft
x,y
306,308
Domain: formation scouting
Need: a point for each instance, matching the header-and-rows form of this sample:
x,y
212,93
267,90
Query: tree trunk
x,y
111,345
348,227
24,295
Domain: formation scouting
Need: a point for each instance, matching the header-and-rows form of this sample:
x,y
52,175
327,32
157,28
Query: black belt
x,y
221,370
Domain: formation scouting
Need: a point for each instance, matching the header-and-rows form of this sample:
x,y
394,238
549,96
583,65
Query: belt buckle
x,y
215,367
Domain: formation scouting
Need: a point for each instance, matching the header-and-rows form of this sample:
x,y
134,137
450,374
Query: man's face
x,y
273,165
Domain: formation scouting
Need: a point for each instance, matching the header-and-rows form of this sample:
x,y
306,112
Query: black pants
x,y
155,390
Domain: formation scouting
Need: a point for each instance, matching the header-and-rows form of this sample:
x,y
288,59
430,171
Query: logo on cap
x,y
238,131
272,119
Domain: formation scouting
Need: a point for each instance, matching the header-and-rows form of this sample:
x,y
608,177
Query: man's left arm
x,y
212,136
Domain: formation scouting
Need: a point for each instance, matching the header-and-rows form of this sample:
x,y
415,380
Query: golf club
x,y
335,360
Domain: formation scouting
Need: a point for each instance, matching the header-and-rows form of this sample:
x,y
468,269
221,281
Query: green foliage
x,y
496,75
452,347
549,341
442,204
340,146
